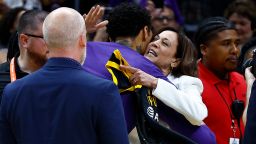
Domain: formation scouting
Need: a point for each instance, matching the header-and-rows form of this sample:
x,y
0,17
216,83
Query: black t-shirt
x,y
5,75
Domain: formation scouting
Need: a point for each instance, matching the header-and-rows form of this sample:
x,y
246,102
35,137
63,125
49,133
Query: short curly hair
x,y
126,20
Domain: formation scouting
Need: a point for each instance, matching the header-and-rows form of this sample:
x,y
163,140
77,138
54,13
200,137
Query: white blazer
x,y
185,99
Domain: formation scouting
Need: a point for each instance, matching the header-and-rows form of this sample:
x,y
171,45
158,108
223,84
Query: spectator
x,y
32,49
169,16
217,40
54,104
243,15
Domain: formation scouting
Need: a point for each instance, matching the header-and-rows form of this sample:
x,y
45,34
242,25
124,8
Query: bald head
x,y
63,27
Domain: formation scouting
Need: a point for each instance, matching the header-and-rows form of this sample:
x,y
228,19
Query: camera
x,y
237,108
251,62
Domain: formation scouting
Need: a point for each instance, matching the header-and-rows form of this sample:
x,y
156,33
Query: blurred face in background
x,y
150,6
164,18
243,26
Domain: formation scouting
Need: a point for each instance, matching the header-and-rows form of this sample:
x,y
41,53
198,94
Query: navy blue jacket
x,y
250,128
62,104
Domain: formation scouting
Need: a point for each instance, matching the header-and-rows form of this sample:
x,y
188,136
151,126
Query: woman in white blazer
x,y
176,56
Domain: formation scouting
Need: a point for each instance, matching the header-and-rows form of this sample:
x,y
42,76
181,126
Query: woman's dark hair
x,y
209,28
127,19
7,23
187,54
244,8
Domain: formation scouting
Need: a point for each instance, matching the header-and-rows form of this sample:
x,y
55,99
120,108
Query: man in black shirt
x,y
5,74
32,49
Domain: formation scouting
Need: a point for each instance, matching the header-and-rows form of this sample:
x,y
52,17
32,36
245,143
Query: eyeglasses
x,y
31,35
162,18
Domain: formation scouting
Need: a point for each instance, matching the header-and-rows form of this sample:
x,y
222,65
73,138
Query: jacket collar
x,y
63,62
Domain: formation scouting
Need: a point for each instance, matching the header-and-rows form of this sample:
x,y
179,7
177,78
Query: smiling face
x,y
243,26
162,50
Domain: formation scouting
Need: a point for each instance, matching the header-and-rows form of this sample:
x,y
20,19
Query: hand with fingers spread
x,y
139,77
93,17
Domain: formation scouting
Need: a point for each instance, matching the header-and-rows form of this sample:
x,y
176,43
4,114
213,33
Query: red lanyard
x,y
12,71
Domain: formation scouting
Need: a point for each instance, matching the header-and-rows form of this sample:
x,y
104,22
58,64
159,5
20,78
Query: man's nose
x,y
165,21
156,43
235,49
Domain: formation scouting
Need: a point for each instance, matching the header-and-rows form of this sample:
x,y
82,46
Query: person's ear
x,y
203,49
23,40
82,40
146,33
175,63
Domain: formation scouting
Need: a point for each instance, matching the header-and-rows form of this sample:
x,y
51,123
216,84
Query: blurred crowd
x,y
195,56
180,14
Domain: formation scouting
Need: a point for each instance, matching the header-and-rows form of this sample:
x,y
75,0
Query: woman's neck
x,y
166,71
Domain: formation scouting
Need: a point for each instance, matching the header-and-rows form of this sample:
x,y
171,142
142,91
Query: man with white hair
x,y
61,103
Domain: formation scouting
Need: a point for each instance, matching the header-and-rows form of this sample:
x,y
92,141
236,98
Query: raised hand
x,y
93,17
